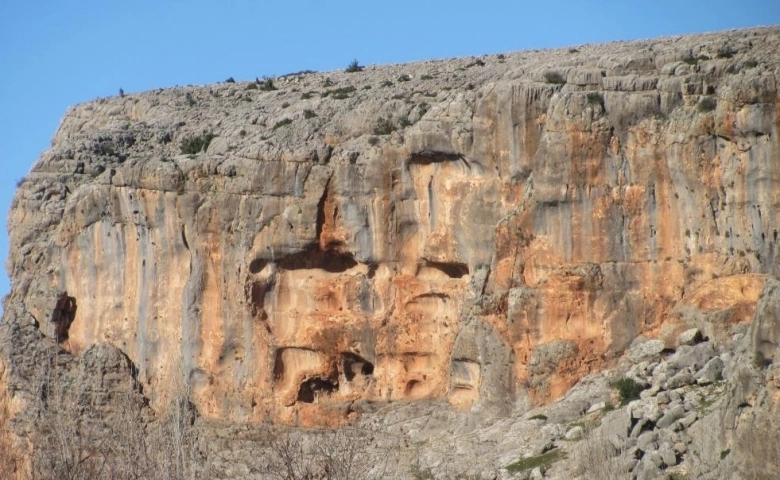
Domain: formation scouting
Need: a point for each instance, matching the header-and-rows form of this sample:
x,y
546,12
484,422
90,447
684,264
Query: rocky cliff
x,y
483,231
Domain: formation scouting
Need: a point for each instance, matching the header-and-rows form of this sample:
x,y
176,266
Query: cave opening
x,y
314,387
354,365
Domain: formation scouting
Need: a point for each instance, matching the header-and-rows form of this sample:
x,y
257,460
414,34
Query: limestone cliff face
x,y
485,231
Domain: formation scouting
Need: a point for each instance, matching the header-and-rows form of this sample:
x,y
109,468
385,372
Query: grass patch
x,y
543,461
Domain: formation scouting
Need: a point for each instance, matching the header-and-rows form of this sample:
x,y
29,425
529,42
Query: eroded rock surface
x,y
483,231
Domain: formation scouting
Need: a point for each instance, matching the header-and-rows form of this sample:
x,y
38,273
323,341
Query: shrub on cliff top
x,y
354,66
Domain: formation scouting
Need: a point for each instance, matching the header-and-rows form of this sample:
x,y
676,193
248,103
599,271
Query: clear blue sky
x,y
56,53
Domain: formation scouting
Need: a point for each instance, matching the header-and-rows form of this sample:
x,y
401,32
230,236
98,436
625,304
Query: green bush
x,y
309,113
354,66
230,80
404,78
193,145
628,389
387,83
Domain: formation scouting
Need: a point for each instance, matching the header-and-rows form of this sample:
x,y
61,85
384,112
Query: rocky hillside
x,y
432,252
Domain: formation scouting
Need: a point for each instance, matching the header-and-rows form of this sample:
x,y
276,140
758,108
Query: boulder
x,y
671,416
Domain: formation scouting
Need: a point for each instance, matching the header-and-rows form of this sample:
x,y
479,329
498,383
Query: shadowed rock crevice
x,y
355,365
63,315
315,258
312,388
451,269
428,157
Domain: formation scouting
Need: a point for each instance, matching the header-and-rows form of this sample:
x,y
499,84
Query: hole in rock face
x,y
313,257
313,387
451,269
356,365
412,387
63,315
256,299
257,265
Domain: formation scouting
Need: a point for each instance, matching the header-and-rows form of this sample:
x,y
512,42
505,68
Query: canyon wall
x,y
484,231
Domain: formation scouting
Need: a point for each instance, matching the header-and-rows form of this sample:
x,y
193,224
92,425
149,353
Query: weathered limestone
x,y
487,234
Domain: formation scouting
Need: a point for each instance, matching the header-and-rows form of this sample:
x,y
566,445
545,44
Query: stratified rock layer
x,y
485,231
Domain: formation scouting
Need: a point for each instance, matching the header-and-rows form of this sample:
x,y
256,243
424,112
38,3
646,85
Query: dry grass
x,y
596,458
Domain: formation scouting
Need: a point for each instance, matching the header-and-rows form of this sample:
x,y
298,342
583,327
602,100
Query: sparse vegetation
x,y
426,77
387,83
354,66
266,84
121,93
339,93
194,145
554,77
373,141
628,389
539,416
726,52
190,100
404,78
230,80
327,82
596,458
282,123
308,113
573,50
306,95
384,126
707,104
544,461
595,98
